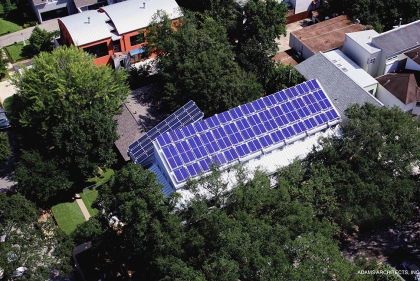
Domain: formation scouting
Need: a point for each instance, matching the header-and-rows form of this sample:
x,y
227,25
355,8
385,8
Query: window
x,y
135,58
99,50
418,104
137,39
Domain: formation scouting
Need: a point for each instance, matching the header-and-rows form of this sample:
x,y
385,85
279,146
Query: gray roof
x,y
342,90
84,30
400,39
130,15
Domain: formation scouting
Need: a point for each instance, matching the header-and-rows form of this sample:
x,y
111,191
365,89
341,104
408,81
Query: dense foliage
x,y
35,245
5,152
382,15
40,41
196,63
64,111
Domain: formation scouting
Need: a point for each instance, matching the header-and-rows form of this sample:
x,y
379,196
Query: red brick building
x,y
111,33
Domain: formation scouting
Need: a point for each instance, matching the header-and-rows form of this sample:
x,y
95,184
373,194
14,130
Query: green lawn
x,y
7,26
104,177
88,198
15,51
7,102
68,216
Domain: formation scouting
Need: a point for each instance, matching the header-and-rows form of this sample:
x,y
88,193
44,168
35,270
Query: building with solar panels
x,y
257,130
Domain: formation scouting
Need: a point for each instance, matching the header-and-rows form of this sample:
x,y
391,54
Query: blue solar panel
x,y
246,129
141,149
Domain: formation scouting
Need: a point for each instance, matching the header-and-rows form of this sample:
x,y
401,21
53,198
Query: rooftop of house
x,y
403,85
287,57
86,27
327,35
341,89
364,39
414,55
398,40
350,68
135,14
114,20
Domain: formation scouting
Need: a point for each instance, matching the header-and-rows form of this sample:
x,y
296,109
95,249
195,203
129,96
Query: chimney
x,y
399,24
88,19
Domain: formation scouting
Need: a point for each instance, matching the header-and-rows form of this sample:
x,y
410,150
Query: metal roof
x,y
86,27
167,188
342,90
135,14
400,39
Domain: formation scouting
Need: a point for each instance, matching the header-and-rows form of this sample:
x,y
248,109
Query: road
x,y
11,38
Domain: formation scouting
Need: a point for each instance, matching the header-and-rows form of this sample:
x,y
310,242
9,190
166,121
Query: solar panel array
x,y
142,149
246,129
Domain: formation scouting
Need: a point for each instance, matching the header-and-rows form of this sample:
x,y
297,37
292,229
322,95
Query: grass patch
x,y
88,199
103,177
68,216
8,27
15,52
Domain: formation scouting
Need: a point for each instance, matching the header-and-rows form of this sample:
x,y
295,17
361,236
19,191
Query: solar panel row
x,y
246,129
142,149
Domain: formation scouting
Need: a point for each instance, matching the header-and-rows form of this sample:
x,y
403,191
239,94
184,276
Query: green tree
x,y
39,179
282,77
40,41
3,60
84,141
7,7
264,22
28,243
196,62
371,165
61,82
5,152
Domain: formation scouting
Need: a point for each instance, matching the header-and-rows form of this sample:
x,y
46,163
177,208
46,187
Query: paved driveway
x,y
6,90
11,38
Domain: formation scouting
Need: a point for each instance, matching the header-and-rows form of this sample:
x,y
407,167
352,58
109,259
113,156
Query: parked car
x,y
4,122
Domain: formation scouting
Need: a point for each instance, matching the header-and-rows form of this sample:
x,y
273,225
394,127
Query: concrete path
x,y
6,90
82,207
11,38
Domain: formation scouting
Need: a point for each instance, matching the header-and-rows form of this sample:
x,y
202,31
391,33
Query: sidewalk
x,y
82,207
11,38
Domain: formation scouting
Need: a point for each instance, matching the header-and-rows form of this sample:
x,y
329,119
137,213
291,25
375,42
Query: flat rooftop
x,y
351,69
327,35
364,39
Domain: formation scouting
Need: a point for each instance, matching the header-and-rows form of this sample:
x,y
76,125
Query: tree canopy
x,y
5,152
382,15
63,111
36,246
40,41
196,62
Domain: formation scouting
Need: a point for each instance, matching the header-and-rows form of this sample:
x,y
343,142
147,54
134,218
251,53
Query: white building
x,y
353,71
269,132
382,53
359,48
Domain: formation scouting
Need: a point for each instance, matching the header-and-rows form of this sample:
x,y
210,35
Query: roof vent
x,y
89,20
144,6
387,82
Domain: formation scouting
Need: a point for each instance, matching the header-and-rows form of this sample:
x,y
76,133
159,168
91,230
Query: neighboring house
x,y
114,33
323,36
268,133
85,5
413,59
394,44
342,89
353,71
359,48
400,89
51,9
